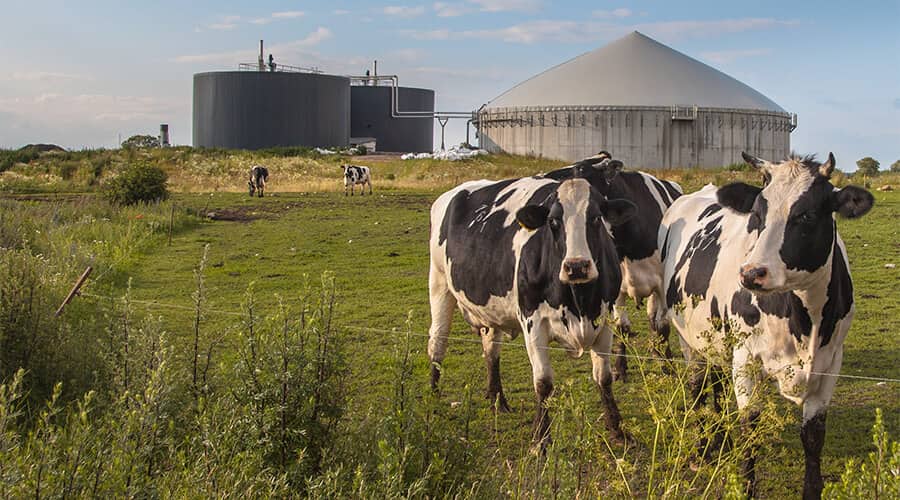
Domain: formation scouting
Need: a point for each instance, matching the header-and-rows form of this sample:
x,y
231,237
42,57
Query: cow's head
x,y
252,187
599,169
575,224
792,220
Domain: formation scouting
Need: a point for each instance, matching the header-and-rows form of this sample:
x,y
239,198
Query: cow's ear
x,y
852,201
738,196
532,217
618,212
752,160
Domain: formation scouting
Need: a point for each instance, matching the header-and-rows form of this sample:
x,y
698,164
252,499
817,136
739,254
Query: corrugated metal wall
x,y
254,110
370,116
641,137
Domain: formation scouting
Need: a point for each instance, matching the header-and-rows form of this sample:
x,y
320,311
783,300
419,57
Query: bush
x,y
878,477
895,167
138,182
140,141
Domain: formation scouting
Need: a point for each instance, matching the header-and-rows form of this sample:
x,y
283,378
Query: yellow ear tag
x,y
523,226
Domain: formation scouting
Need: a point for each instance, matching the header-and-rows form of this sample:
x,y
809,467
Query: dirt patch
x,y
238,214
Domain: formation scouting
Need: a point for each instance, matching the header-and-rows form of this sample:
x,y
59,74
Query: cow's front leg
x,y
812,431
370,187
602,375
623,325
537,342
745,380
490,343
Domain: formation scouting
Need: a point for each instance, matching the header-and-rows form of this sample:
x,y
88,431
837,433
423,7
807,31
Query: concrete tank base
x,y
642,137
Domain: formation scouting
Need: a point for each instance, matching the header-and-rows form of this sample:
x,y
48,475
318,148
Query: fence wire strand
x,y
456,338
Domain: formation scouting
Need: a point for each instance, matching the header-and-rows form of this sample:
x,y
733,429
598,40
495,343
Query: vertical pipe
x,y
262,66
376,72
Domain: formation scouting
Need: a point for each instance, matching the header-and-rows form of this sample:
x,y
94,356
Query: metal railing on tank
x,y
278,68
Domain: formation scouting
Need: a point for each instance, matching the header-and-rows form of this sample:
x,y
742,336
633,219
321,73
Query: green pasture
x,y
376,246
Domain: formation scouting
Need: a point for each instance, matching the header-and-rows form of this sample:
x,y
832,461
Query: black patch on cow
x,y
505,196
787,306
663,194
638,238
541,259
710,210
742,305
809,232
738,196
665,248
840,296
702,253
674,193
480,245
758,213
714,308
529,325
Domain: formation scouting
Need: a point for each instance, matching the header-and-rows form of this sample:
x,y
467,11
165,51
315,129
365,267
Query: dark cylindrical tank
x,y
254,110
370,116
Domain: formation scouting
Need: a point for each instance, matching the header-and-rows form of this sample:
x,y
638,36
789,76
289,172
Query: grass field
x,y
376,248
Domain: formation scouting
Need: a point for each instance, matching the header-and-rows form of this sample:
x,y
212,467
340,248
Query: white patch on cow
x,y
574,196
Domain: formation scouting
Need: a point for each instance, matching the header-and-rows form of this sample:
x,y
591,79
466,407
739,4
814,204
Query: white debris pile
x,y
352,151
455,153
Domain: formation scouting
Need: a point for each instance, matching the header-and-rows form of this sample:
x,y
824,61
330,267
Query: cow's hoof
x,y
499,403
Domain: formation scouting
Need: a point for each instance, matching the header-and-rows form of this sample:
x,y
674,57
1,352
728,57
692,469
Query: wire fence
x,y
456,338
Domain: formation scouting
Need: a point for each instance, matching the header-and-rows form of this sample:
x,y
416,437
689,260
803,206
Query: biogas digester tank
x,y
255,109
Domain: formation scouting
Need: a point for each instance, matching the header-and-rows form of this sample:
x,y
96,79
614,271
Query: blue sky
x,y
80,74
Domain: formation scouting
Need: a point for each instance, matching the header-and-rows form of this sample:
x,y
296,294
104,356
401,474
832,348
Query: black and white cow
x,y
767,266
532,255
356,174
258,177
635,242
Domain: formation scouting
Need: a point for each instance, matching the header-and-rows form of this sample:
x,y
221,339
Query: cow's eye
x,y
597,220
807,218
554,224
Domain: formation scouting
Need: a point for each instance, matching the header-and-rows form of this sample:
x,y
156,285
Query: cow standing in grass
x,y
766,266
635,242
530,255
637,250
258,177
356,174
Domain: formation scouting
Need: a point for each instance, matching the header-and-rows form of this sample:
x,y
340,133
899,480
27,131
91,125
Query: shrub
x,y
878,477
140,141
136,183
895,167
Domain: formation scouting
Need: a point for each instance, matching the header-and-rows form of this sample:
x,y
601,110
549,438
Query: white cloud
x,y
727,56
580,32
42,76
225,24
282,50
444,9
673,30
619,13
341,12
403,10
261,20
291,14
507,5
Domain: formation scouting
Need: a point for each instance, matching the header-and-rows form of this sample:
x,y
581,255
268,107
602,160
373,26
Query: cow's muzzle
x,y
578,271
754,278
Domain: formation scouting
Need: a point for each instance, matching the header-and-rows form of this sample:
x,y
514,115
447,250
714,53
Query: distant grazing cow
x,y
767,266
532,255
258,177
635,242
356,174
